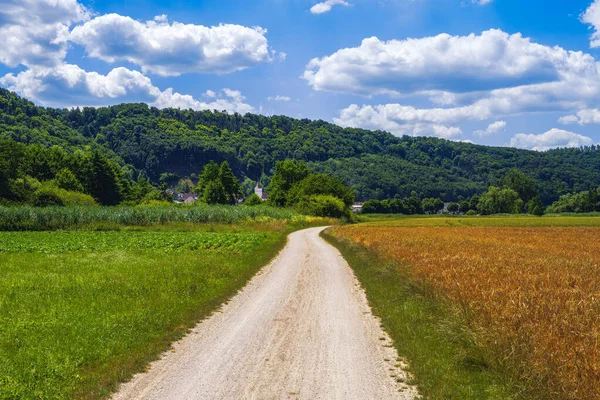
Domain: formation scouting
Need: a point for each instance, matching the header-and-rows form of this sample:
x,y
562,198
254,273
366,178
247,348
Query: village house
x,y
357,207
187,198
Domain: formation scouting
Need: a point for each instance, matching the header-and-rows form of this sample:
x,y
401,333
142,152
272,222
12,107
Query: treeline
x,y
44,176
514,193
584,202
174,144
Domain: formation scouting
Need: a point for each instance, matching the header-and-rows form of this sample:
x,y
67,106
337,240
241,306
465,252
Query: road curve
x,y
301,329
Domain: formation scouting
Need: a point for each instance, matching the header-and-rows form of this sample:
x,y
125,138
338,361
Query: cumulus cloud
x,y
591,16
400,120
284,99
495,127
326,6
573,81
171,49
552,139
68,85
226,100
583,117
446,132
35,32
448,63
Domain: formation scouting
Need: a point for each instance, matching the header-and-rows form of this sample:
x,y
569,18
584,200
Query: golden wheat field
x,y
533,293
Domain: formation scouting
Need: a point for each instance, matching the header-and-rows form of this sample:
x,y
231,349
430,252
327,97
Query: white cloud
x,y
35,32
482,2
576,87
326,6
284,99
495,127
446,132
583,117
552,139
591,16
227,100
456,64
68,85
173,49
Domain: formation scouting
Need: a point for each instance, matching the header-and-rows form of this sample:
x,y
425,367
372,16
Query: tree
x,y
102,179
140,190
65,179
500,201
464,206
535,206
287,174
432,206
231,186
320,184
453,208
214,193
520,183
253,200
210,173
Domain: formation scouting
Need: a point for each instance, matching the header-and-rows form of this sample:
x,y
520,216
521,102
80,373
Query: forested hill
x,y
177,143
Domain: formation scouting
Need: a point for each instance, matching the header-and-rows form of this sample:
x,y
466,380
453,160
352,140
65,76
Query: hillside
x,y
375,163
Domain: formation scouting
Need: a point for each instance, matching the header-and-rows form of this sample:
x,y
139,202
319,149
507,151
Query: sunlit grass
x,y
81,311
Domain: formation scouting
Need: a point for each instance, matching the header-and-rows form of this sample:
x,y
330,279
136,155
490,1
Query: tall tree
x,y
210,173
524,185
287,174
231,186
500,201
103,180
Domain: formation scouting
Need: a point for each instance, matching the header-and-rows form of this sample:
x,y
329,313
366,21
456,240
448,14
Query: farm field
x,y
515,298
81,310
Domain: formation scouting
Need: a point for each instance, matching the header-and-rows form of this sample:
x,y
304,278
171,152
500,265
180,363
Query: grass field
x,y
81,311
24,218
487,307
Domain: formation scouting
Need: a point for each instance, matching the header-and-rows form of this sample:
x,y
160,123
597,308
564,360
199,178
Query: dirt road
x,y
301,329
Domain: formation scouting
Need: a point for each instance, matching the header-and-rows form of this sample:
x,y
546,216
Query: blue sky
x,y
496,72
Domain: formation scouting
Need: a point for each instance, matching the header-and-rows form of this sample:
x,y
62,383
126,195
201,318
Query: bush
x,y
156,195
253,200
322,206
50,195
44,198
471,213
65,179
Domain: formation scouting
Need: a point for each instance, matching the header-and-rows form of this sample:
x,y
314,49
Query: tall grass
x,y
24,218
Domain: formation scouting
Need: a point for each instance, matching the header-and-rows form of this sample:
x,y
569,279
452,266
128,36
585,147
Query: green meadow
x,y
81,311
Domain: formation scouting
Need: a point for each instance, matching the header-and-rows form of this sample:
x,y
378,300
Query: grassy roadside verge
x,y
78,316
442,351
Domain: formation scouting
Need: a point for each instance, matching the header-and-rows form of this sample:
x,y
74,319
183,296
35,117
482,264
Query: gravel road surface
x,y
301,329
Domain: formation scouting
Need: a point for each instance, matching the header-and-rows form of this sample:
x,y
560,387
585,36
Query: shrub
x,y
46,198
156,196
50,195
253,200
471,212
322,206
65,179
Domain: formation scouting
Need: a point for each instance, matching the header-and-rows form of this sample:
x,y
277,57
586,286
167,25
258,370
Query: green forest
x,y
131,149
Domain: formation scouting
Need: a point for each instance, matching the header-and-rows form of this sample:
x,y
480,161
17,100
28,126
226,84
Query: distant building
x,y
187,198
357,207
259,191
